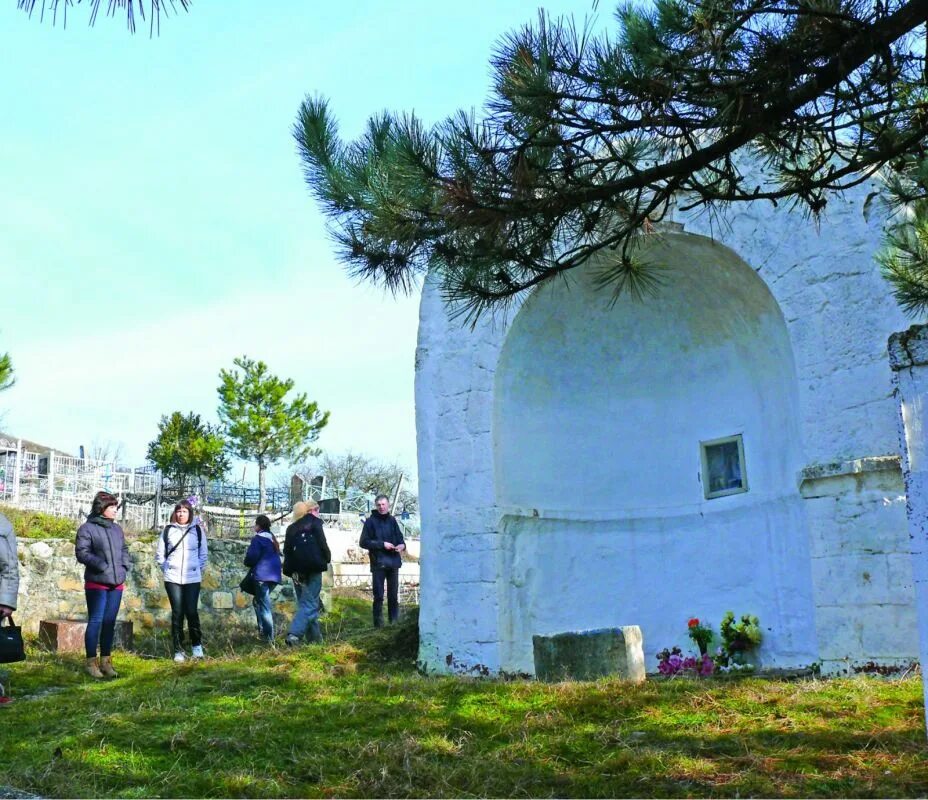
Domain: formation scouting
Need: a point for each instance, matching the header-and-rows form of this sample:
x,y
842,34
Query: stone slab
x,y
67,636
587,655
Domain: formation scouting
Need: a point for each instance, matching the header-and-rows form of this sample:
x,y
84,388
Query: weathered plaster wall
x,y
838,315
632,387
656,572
600,410
461,556
861,564
908,358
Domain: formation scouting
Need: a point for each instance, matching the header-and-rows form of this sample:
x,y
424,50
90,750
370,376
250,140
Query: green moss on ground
x,y
354,718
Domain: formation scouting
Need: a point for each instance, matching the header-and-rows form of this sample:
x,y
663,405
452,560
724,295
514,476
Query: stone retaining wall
x,y
52,586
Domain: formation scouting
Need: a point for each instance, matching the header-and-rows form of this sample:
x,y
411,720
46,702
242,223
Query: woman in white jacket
x,y
181,554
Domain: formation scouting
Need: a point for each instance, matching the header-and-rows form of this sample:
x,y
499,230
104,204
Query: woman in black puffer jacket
x,y
101,547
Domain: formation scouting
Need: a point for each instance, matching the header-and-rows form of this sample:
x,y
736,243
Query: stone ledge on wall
x,y
839,477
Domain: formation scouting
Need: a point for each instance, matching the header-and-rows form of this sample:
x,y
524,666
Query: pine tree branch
x,y
131,7
587,142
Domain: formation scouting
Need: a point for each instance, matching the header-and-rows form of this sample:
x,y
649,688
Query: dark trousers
x,y
102,608
184,597
392,577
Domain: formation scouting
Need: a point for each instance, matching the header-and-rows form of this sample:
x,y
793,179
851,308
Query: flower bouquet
x,y
739,637
672,662
700,634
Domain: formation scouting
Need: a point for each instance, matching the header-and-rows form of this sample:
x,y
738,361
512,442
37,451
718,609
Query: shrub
x,y
36,525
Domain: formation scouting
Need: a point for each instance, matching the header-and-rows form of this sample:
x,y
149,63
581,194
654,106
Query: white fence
x,y
65,486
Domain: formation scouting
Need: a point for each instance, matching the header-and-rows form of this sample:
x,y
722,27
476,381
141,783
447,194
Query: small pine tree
x,y
260,425
187,451
6,372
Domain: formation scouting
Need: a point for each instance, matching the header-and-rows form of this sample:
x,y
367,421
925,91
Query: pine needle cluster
x,y
58,10
588,140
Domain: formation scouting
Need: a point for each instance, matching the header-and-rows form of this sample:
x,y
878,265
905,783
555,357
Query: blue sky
x,y
156,224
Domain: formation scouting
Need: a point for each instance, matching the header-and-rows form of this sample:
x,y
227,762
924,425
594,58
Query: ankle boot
x,y
93,669
106,667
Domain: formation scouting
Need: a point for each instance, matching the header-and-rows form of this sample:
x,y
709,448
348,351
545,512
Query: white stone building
x,y
729,444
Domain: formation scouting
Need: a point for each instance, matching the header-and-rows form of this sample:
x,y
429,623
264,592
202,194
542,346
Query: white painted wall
x,y
601,406
600,409
908,356
838,310
861,565
483,585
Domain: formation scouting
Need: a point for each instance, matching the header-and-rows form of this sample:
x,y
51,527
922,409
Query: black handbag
x,y
249,585
11,643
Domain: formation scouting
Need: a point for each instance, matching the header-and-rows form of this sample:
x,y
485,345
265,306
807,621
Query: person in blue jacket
x,y
263,556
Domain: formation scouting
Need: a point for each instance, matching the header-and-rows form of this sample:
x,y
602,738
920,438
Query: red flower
x,y
693,622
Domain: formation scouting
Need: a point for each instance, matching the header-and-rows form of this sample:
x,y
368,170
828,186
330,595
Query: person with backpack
x,y
101,547
9,588
306,557
382,538
181,553
263,556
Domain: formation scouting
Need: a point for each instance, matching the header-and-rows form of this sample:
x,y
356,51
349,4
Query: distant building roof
x,y
8,441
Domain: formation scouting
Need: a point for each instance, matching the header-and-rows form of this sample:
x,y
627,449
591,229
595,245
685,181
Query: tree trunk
x,y
262,488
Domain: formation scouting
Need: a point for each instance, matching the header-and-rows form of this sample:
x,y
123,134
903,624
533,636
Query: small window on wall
x,y
723,470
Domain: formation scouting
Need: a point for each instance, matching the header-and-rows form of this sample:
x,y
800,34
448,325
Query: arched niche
x,y
601,413
634,387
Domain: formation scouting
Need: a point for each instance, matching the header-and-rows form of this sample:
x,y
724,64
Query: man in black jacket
x,y
383,539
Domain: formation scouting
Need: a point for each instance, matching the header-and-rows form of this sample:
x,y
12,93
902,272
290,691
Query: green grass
x,y
354,718
36,525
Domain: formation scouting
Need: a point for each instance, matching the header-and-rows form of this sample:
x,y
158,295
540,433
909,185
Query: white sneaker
x,y
197,651
179,657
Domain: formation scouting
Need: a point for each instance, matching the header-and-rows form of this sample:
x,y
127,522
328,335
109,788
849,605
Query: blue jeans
x,y
309,606
264,612
102,608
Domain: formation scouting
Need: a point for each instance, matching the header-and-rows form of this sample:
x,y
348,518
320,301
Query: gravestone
x,y
331,505
297,490
587,655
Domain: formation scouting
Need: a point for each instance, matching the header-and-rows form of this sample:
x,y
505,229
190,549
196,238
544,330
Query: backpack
x,y
306,558
164,535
